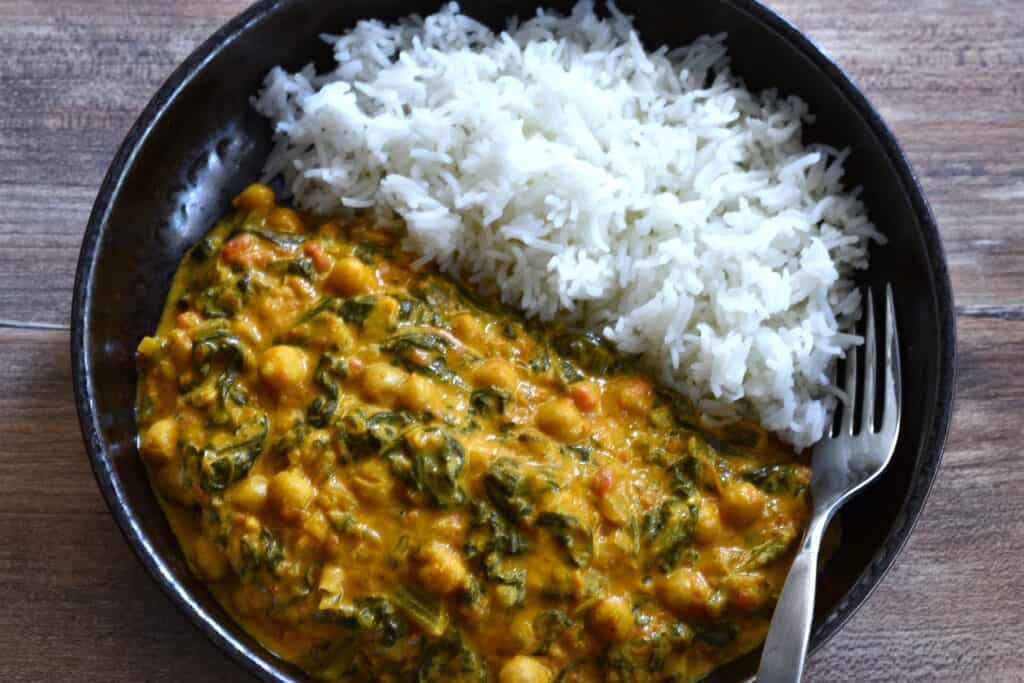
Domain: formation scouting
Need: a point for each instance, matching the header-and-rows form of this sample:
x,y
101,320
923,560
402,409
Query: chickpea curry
x,y
385,477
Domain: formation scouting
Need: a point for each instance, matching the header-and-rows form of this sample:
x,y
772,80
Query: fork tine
x,y
893,382
833,381
850,387
867,417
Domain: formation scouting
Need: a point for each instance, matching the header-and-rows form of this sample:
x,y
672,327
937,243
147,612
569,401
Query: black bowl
x,y
198,143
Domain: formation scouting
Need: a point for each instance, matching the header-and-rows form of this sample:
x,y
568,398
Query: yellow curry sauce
x,y
385,477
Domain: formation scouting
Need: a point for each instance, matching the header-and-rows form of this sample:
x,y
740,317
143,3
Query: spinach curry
x,y
383,476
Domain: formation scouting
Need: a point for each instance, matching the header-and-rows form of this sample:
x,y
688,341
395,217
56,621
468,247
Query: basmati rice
x,y
560,164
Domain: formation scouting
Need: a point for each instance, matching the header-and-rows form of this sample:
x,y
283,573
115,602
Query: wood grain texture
x,y
947,75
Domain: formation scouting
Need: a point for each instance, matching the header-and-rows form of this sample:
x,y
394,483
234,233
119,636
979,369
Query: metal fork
x,y
841,465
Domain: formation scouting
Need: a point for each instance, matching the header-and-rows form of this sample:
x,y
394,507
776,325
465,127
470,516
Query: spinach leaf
x,y
423,352
259,552
541,363
581,453
424,341
676,638
576,541
491,534
716,443
330,370
353,311
367,251
548,626
766,552
416,312
683,410
685,475
202,250
429,461
492,538
292,438
373,615
506,488
568,373
356,311
588,351
451,660
338,660
489,401
668,530
217,349
366,436
302,266
421,609
511,583
219,468
716,633
214,302
741,435
281,239
777,478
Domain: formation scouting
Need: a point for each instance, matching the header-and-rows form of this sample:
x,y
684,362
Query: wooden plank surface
x,y
948,76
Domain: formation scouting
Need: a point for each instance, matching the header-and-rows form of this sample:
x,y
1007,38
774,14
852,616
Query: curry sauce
x,y
384,476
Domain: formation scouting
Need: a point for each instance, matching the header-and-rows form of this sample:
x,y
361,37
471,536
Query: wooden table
x,y
75,605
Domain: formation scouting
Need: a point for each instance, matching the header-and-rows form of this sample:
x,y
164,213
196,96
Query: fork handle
x,y
782,660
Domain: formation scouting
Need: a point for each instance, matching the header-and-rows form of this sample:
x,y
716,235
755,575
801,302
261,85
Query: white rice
x,y
559,163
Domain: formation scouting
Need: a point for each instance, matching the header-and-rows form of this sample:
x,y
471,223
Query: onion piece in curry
x,y
383,476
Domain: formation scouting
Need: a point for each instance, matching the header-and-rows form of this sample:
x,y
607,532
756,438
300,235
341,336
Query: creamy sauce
x,y
382,476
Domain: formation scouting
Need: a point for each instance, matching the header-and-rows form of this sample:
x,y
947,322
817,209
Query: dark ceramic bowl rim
x,y
930,453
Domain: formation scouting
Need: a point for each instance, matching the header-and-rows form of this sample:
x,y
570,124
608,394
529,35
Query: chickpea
x,y
210,559
291,492
250,494
442,571
451,527
746,591
496,372
467,327
350,276
248,329
317,526
560,419
180,348
372,481
335,495
685,591
186,320
382,382
256,197
521,634
160,441
709,522
283,218
742,503
382,319
283,367
417,393
634,395
612,619
524,669
614,503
